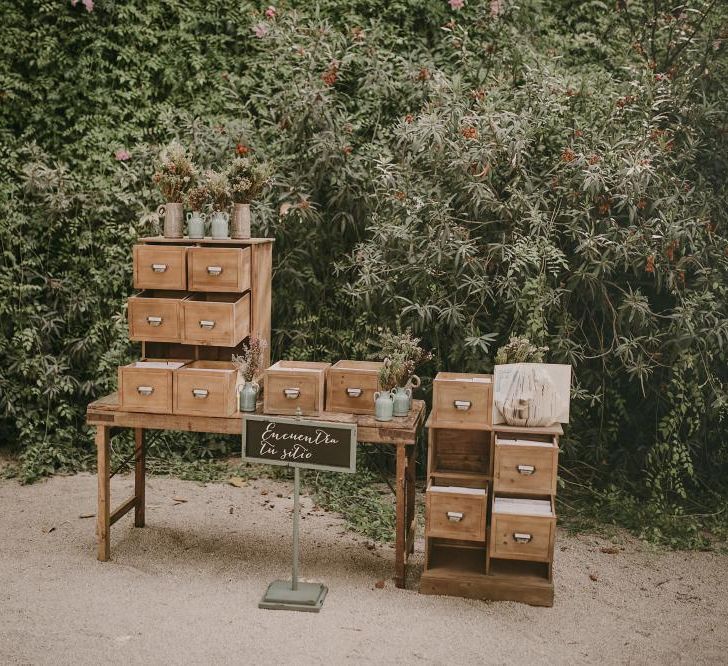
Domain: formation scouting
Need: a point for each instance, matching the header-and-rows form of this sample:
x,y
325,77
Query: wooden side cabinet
x,y
490,518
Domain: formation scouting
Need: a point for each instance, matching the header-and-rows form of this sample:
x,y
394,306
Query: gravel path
x,y
185,589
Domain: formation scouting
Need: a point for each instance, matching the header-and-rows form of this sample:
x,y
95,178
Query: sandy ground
x,y
184,590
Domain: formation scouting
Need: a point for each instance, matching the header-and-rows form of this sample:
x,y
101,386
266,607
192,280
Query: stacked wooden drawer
x,y
198,303
490,518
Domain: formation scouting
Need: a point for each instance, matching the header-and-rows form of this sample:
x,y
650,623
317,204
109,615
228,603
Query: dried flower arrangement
x,y
175,173
247,178
197,198
520,350
395,372
248,364
218,188
404,353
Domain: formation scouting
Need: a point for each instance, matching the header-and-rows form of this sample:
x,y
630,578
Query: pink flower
x,y
456,4
89,4
270,12
260,30
122,155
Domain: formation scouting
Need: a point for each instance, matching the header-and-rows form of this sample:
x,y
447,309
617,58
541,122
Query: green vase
x,y
248,397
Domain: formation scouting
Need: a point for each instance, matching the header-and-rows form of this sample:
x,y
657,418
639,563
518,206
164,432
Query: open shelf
x,y
455,560
532,573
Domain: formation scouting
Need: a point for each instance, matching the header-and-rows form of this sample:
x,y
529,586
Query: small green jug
x,y
248,397
383,406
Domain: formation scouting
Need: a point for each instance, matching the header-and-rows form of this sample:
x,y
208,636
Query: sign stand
x,y
293,595
298,443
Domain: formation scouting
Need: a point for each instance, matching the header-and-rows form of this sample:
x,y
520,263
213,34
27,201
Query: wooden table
x,y
105,414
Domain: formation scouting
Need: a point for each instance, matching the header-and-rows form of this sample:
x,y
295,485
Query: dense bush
x,y
547,168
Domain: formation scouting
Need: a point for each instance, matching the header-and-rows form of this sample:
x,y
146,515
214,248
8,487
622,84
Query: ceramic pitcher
x,y
196,224
240,227
173,219
383,406
219,225
248,397
402,401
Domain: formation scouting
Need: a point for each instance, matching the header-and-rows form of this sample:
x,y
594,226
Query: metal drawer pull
x,y
455,516
463,405
520,537
353,392
200,393
526,469
208,324
159,268
145,390
214,270
154,321
292,393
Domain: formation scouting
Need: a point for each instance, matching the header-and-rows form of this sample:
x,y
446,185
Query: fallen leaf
x,y
379,584
231,510
87,515
179,499
369,545
279,494
52,529
593,577
610,551
263,492
236,481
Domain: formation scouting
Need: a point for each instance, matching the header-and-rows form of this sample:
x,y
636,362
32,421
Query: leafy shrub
x,y
551,169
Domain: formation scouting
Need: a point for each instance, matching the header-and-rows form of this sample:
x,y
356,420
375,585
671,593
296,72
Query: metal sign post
x,y
298,443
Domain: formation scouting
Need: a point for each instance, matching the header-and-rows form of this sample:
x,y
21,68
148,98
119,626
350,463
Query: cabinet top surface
x,y
161,240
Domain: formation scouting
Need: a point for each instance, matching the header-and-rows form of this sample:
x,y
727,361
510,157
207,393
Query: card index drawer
x,y
221,320
523,529
146,386
160,267
156,316
456,513
524,465
218,269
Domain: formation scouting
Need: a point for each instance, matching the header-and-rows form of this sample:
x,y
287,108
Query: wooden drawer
x,y
350,386
524,468
205,388
293,384
155,315
146,386
462,399
456,513
218,269
160,267
222,320
518,535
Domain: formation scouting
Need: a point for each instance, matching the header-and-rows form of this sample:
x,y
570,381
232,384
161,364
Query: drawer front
x,y
525,469
350,392
200,393
218,269
155,319
455,516
145,390
285,392
522,537
462,402
208,324
160,267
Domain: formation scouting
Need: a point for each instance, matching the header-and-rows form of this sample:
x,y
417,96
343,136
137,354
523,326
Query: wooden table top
x,y
400,430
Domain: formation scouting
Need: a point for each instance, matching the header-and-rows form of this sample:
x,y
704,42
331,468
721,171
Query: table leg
x,y
139,473
103,525
400,542
410,522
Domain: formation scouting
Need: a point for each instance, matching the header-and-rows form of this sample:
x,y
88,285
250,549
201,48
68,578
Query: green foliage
x,y
520,350
557,171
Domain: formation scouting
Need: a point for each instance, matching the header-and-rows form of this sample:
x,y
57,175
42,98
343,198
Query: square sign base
x,y
309,597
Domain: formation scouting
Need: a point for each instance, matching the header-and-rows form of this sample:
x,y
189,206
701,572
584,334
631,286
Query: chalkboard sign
x,y
278,440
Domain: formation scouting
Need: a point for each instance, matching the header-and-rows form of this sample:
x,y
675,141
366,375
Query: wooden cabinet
x,y
490,521
201,300
351,385
294,385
